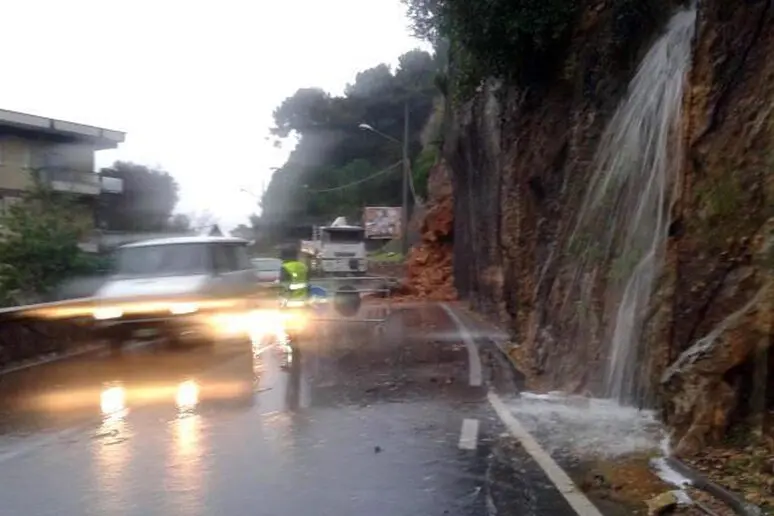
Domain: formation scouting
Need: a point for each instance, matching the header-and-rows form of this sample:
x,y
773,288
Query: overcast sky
x,y
193,83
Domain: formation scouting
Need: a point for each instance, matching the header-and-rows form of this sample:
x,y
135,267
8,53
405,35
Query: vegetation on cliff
x,y
528,41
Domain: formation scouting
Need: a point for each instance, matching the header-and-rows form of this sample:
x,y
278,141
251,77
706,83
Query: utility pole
x,y
406,172
406,178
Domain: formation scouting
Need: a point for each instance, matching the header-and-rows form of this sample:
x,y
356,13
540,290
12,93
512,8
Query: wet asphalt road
x,y
356,425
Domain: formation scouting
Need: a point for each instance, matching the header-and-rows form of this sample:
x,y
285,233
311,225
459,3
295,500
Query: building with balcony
x,y
59,154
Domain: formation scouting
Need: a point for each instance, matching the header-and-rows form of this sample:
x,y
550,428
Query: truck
x,y
336,250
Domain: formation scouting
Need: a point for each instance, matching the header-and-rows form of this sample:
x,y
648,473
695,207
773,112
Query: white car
x,y
175,288
269,270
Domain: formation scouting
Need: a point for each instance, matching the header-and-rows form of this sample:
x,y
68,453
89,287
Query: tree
x,y
202,221
308,109
39,247
332,150
146,203
180,223
371,82
243,231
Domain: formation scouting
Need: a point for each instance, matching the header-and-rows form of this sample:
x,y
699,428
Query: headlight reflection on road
x,y
112,400
112,454
187,396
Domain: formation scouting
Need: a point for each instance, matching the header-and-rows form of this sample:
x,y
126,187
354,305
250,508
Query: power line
x,y
354,183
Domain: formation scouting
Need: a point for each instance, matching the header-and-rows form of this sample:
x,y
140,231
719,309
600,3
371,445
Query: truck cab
x,y
337,250
343,250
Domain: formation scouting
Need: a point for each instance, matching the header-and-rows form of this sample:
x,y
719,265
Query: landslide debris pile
x,y
429,273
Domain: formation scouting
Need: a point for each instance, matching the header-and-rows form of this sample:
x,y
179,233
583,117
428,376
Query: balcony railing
x,y
74,181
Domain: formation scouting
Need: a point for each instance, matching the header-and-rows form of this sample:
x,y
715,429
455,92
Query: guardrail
x,y
65,309
29,332
57,327
380,288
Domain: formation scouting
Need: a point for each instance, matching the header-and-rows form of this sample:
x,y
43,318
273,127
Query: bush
x,y
39,246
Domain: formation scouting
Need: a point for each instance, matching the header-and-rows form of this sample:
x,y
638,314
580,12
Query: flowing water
x,y
622,228
582,427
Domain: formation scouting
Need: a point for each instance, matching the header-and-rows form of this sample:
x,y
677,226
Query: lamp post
x,y
406,172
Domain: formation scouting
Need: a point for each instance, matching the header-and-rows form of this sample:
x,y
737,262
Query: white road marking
x,y
474,361
469,434
564,484
574,496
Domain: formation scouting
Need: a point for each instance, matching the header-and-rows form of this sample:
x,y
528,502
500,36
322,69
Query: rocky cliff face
x,y
521,160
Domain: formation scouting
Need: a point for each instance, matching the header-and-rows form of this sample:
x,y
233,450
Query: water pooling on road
x,y
387,426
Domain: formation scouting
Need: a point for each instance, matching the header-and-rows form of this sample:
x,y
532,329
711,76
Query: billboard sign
x,y
382,222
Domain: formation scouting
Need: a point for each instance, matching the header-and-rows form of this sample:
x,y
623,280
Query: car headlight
x,y
183,308
103,314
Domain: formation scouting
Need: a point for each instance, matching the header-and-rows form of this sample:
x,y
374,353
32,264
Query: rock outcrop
x,y
520,161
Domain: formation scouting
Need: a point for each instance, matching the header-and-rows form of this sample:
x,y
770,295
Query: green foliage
x,y
179,223
146,203
39,245
514,39
333,151
422,166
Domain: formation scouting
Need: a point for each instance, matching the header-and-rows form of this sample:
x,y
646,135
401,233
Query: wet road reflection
x,y
112,400
232,430
185,466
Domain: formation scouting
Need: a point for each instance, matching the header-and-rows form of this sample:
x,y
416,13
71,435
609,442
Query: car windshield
x,y
267,264
163,260
344,236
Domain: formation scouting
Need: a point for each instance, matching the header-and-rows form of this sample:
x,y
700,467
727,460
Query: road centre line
x,y
469,434
474,361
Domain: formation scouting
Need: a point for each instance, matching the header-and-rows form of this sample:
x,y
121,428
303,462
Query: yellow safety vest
x,y
296,280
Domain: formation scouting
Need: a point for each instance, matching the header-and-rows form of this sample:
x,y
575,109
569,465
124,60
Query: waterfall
x,y
622,228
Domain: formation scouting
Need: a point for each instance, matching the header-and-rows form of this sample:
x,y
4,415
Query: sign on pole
x,y
382,222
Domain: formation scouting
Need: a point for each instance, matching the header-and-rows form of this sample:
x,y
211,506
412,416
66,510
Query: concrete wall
x,y
18,155
13,163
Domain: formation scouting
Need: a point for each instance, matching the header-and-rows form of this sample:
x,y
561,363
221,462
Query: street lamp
x,y
367,127
406,172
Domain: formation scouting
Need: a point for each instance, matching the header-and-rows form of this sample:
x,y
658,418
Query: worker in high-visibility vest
x,y
294,280
294,276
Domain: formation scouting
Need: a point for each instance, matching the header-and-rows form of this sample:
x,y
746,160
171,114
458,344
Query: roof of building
x,y
199,239
102,138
